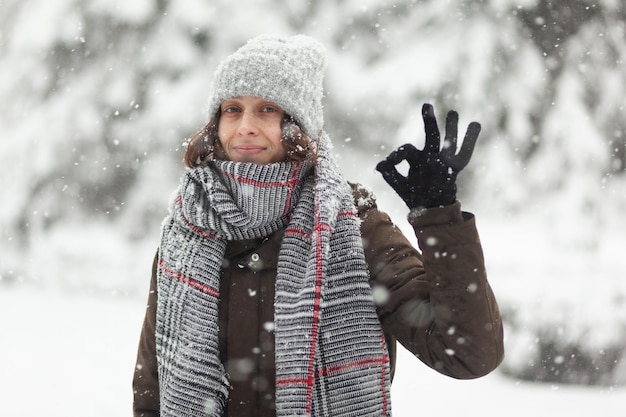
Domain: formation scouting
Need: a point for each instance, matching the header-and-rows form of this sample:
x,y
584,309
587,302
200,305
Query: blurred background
x,y
97,98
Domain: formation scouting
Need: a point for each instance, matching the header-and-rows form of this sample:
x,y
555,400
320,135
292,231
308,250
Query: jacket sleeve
x,y
438,303
145,380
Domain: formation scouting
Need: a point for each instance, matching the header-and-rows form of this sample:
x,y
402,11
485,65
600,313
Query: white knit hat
x,y
287,71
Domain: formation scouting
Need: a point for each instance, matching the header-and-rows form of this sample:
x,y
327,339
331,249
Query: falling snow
x,y
99,97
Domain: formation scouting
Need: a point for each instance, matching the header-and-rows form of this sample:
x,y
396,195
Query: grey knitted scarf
x,y
331,357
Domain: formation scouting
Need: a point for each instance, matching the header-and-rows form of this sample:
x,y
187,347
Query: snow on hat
x,y
287,71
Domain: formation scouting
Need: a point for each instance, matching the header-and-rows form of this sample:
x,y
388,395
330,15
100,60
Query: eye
x,y
230,108
270,109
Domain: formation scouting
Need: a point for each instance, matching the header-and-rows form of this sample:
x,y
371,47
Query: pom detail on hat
x,y
288,71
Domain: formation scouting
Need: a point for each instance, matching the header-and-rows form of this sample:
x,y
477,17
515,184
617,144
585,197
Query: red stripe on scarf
x,y
346,214
189,281
297,232
318,229
290,381
360,363
290,183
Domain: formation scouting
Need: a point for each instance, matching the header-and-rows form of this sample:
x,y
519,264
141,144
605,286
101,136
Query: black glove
x,y
431,181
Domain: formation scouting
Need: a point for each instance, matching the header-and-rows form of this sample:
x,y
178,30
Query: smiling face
x,y
250,130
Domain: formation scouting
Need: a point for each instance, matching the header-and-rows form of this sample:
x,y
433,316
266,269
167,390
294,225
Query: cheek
x,y
275,135
221,144
223,133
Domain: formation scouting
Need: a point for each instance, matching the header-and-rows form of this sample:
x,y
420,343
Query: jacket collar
x,y
257,254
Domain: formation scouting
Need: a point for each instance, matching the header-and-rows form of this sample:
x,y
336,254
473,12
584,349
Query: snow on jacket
x,y
438,304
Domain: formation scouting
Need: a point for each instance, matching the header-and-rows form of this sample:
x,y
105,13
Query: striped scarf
x,y
331,357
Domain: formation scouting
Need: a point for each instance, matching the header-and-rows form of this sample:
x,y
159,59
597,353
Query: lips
x,y
249,149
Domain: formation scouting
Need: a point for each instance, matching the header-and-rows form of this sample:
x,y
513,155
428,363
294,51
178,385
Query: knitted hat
x,y
286,71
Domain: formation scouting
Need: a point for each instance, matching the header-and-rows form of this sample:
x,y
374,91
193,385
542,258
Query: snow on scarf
x,y
331,357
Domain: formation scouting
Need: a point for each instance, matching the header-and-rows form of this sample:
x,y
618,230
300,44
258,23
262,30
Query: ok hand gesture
x,y
431,181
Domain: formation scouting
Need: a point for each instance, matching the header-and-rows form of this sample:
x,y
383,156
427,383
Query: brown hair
x,y
205,143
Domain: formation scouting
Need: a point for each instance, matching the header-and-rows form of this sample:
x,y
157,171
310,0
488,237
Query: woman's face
x,y
250,130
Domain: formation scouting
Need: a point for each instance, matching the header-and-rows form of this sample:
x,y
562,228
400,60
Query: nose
x,y
248,125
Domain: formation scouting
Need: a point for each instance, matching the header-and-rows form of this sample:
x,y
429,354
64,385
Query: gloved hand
x,y
431,181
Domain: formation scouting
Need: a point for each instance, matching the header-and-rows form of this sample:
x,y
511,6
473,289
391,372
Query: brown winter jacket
x,y
437,304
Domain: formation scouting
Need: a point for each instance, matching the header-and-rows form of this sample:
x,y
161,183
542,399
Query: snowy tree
x,y
97,98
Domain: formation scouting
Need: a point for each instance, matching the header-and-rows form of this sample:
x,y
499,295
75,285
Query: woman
x,y
278,288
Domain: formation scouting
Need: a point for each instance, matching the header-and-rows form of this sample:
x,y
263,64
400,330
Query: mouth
x,y
249,149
